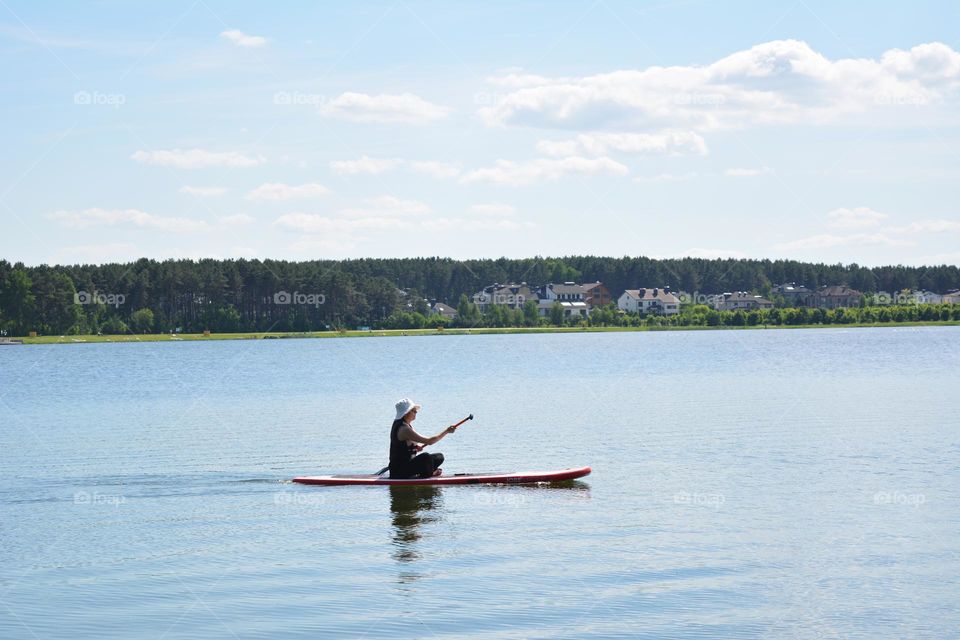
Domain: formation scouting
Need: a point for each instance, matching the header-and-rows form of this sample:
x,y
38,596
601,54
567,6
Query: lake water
x,y
791,483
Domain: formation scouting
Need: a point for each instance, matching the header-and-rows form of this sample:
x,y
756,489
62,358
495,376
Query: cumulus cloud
x,y
364,164
934,62
280,191
241,39
783,81
856,218
111,217
203,192
747,172
513,173
674,143
195,158
384,108
439,170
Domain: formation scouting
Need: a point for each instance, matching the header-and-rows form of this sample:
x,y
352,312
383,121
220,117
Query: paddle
x,y
384,470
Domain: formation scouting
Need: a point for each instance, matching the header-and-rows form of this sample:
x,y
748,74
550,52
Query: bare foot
x,y
438,472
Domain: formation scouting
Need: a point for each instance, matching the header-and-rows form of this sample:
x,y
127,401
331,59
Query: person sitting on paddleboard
x,y
405,442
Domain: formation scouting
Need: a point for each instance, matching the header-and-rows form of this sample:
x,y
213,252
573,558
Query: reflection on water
x,y
412,507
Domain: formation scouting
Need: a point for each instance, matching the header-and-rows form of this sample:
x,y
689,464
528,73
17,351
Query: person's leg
x,y
437,460
422,465
400,473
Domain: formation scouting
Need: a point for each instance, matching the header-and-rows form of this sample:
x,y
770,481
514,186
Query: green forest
x,y
189,296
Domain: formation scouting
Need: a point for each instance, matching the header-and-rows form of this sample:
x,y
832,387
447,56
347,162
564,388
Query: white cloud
x,y
203,192
933,61
236,220
439,170
826,241
364,164
513,173
494,209
314,223
195,158
927,226
747,172
675,143
856,218
388,206
280,191
111,217
241,39
384,108
783,81
667,177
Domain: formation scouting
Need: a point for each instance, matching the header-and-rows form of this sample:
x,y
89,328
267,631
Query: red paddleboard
x,y
519,477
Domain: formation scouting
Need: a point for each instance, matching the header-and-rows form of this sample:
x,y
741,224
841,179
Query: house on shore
x,y
444,310
921,296
596,295
566,292
509,295
836,296
570,296
952,297
796,295
591,295
570,309
649,301
741,301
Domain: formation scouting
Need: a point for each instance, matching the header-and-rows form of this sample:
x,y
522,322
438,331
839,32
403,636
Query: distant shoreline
x,y
388,333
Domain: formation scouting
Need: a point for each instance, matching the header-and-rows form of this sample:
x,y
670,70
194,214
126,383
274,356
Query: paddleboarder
x,y
405,443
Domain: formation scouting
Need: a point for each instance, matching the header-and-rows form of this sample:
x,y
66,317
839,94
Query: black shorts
x,y
421,466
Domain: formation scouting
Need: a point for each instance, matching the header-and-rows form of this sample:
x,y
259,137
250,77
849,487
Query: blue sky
x,y
808,130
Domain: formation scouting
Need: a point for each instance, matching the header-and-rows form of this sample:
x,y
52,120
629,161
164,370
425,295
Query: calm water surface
x,y
746,484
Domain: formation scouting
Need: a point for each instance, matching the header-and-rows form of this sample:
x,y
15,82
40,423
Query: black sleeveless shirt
x,y
400,452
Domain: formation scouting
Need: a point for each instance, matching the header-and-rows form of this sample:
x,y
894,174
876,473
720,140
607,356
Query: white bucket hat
x,y
404,406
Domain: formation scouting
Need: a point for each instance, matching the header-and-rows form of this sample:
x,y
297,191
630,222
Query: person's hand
x,y
451,428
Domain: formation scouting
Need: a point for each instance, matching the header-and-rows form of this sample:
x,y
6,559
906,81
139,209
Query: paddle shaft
x,y
469,417
384,470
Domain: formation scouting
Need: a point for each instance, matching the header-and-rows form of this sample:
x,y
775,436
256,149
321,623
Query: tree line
x,y
276,295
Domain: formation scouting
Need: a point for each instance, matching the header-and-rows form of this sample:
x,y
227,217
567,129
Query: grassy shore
x,y
163,337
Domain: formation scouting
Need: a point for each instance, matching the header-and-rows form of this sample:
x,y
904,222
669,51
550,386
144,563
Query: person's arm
x,y
409,434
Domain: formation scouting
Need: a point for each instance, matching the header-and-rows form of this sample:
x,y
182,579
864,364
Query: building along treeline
x,y
276,295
